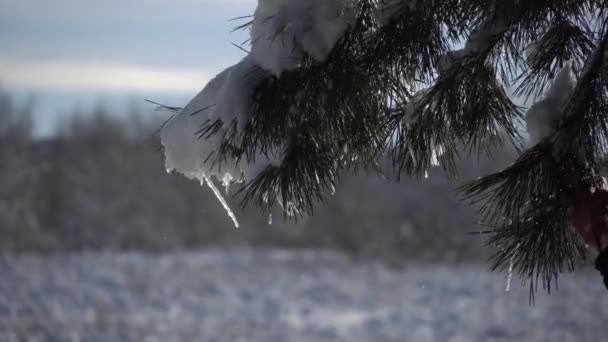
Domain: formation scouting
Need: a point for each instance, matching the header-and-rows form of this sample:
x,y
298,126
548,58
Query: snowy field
x,y
244,295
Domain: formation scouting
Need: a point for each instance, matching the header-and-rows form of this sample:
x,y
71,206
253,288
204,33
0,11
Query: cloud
x,y
77,76
92,8
193,34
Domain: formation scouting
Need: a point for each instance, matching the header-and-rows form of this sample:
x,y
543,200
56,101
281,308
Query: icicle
x,y
435,158
436,154
509,276
510,272
426,174
270,219
219,196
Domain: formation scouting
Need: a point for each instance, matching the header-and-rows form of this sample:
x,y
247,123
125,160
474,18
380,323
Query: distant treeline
x,y
100,184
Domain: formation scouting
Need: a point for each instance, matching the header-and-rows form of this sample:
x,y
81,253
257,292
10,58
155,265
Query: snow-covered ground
x,y
247,295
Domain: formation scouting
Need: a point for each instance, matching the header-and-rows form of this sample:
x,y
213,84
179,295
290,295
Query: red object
x,y
589,217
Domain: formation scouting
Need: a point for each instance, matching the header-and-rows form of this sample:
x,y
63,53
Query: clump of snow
x,y
562,87
187,154
228,98
235,100
284,30
543,116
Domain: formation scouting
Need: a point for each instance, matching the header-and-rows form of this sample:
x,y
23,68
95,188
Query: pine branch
x,y
396,81
528,203
346,95
540,246
528,206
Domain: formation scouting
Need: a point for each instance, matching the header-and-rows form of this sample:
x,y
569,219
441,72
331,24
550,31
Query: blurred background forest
x,y
99,184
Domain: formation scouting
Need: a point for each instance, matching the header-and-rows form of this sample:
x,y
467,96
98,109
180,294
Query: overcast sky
x,y
79,53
